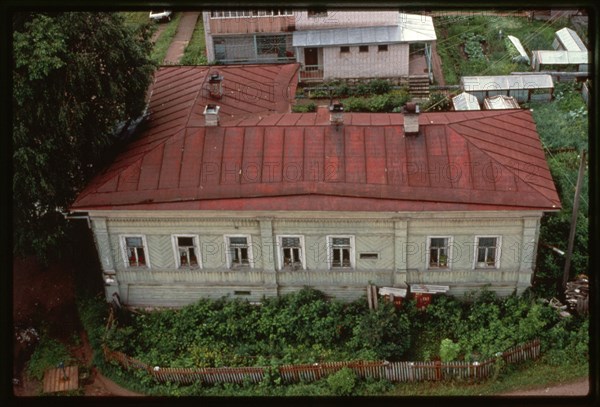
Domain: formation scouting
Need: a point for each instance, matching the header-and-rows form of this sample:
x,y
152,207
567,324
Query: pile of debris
x,y
576,295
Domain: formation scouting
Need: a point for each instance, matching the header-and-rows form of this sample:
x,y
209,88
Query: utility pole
x,y
574,219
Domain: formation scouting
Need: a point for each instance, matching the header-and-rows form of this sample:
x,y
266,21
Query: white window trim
x,y
352,252
228,254
428,252
280,250
498,252
176,250
124,252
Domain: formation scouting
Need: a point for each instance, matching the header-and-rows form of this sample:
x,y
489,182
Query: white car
x,y
160,15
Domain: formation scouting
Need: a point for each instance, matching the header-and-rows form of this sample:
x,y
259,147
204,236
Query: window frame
x,y
449,255
344,49
361,49
496,265
330,253
379,49
316,13
123,241
222,14
196,245
280,252
228,257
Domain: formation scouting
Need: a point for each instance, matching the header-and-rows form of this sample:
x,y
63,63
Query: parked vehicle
x,y
160,15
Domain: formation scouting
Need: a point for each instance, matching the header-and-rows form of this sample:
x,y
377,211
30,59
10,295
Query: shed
x,y
566,39
522,87
465,101
500,102
560,59
517,43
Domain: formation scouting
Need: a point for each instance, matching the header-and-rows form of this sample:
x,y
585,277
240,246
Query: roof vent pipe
x,y
411,119
211,115
215,83
336,114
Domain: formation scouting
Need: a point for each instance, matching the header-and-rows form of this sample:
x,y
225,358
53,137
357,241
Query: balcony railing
x,y
311,73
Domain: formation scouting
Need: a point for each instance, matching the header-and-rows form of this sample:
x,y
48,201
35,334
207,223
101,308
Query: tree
x,y
76,77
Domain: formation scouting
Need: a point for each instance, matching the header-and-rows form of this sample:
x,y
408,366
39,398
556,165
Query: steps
x,y
418,86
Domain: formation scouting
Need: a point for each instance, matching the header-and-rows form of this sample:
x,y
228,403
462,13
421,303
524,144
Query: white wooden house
x,y
332,44
225,196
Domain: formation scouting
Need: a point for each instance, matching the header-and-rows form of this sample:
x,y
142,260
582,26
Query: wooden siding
x,y
251,25
400,243
373,64
338,18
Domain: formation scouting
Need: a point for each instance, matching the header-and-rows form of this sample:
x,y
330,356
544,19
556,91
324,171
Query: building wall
x,y
337,18
251,25
372,64
398,239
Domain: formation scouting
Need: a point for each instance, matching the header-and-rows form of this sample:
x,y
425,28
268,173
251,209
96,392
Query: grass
x,y
136,17
525,376
195,52
451,30
164,40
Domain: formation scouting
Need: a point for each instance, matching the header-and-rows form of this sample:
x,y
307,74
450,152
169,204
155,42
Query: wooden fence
x,y
392,371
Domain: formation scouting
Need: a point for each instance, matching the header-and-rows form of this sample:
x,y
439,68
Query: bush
x,y
342,382
309,107
47,354
437,102
449,350
379,86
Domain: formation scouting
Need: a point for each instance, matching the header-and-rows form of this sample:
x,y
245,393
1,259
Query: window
x,y
250,13
344,50
187,254
382,48
487,251
363,48
239,253
317,13
291,255
438,252
341,251
271,45
134,251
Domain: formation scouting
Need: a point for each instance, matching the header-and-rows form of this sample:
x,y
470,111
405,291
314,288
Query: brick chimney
x,y
211,115
411,119
215,83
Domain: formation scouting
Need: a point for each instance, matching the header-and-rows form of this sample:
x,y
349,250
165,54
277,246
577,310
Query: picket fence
x,y
392,371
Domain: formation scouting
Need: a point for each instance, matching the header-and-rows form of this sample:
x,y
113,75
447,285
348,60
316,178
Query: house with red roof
x,y
227,193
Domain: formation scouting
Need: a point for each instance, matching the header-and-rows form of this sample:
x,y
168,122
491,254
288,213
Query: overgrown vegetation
x,y
195,52
483,40
563,128
47,355
305,108
161,46
306,328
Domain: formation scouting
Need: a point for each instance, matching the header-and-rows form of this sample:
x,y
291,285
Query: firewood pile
x,y
576,295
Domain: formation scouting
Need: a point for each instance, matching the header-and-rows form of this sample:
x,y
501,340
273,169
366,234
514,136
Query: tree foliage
x,y
76,77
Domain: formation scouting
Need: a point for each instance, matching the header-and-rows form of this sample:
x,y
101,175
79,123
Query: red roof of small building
x,y
256,160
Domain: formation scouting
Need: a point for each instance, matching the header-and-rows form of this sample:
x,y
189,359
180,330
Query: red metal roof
x,y
472,160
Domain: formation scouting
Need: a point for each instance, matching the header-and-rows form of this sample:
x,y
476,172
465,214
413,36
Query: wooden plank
x,y
54,380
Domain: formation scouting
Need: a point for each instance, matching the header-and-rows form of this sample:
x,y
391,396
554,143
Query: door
x,y
311,58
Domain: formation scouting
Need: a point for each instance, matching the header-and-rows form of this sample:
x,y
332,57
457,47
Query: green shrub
x,y
437,102
305,108
379,86
47,354
355,104
342,382
449,350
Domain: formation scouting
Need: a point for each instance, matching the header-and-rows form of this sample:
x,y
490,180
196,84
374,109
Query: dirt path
x,y
187,23
578,388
